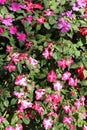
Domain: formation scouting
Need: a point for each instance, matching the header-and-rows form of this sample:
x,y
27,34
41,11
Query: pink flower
x,y
7,21
30,19
33,62
2,2
15,6
51,77
9,128
13,30
47,123
28,44
40,20
77,104
47,53
66,76
9,48
83,115
57,86
72,82
37,6
22,57
66,109
39,94
10,67
67,120
18,94
1,30
53,114
2,119
19,127
48,13
62,64
20,80
38,108
21,37
85,127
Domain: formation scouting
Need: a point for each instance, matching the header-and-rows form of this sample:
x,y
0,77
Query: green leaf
x,y
46,25
6,103
26,121
14,119
38,27
13,101
83,83
85,73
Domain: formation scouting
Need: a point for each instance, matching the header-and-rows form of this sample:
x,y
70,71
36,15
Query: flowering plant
x,y
43,71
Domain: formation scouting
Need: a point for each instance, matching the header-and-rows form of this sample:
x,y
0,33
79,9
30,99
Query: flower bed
x,y
43,65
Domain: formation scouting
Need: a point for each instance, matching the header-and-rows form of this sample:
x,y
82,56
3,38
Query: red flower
x,y
82,31
80,72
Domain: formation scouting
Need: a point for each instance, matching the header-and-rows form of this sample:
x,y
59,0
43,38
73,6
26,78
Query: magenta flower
x,y
2,2
77,104
28,44
57,86
21,37
66,109
47,123
2,119
7,21
40,20
13,30
20,80
51,77
14,7
47,53
63,25
1,30
30,19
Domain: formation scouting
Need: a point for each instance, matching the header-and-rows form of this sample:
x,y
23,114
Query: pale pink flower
x,y
9,128
40,20
62,64
30,19
72,82
82,99
19,127
2,119
7,21
39,94
21,37
47,123
15,6
53,114
69,61
18,94
9,48
20,80
15,57
51,77
24,104
66,76
66,109
33,62
83,115
2,2
57,86
67,120
48,13
85,127
13,30
10,67
77,104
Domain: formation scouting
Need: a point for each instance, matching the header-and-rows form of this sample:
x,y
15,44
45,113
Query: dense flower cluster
x,y
43,71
